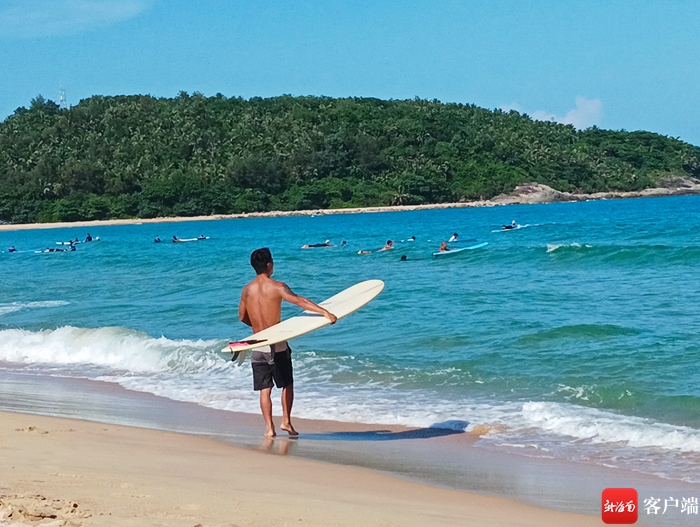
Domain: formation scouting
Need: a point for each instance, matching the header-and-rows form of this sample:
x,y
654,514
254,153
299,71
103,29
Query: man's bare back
x,y
261,303
261,307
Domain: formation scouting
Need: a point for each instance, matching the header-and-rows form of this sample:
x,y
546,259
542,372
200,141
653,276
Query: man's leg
x,y
263,371
285,379
287,402
266,408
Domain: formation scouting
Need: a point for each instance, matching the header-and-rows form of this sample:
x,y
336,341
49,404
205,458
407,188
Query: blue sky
x,y
618,64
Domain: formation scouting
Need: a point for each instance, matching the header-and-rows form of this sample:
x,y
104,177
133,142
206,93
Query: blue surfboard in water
x,y
457,251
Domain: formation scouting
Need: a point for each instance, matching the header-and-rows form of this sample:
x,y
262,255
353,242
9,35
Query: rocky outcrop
x,y
529,193
533,193
678,182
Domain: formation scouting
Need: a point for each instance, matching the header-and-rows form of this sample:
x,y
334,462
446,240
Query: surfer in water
x,y
443,247
512,225
388,247
260,308
453,238
327,243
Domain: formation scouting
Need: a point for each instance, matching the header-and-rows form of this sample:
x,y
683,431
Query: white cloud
x,y
588,112
39,18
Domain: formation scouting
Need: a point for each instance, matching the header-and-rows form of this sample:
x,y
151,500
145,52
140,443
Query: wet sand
x,y
68,472
183,464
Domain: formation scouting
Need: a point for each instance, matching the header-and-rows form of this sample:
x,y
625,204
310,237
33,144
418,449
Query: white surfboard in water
x,y
341,305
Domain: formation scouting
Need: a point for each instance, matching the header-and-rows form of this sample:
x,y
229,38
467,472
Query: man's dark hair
x,y
259,259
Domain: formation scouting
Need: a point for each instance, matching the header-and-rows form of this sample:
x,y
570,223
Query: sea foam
x,y
193,371
13,307
113,347
599,426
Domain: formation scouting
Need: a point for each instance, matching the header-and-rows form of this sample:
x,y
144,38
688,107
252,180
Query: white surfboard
x,y
341,305
184,240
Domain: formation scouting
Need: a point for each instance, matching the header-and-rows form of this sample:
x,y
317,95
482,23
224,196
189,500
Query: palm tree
x,y
400,196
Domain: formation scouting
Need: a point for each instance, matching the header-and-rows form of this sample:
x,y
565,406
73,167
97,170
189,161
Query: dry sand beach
x,y
64,472
525,194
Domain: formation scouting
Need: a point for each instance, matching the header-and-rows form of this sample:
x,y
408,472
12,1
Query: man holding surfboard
x,y
260,308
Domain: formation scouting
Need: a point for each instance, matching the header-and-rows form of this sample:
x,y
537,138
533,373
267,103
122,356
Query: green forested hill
x,y
138,156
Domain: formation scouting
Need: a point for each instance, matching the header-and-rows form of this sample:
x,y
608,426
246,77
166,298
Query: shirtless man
x,y
388,247
260,308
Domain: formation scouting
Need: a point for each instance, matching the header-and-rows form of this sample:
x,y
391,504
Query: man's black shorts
x,y
269,367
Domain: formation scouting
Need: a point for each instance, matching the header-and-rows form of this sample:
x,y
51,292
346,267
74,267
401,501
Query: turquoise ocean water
x,y
574,337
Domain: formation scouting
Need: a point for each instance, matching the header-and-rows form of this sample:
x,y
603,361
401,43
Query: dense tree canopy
x,y
138,156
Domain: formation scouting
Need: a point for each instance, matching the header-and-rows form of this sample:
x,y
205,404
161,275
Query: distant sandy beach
x,y
59,472
525,194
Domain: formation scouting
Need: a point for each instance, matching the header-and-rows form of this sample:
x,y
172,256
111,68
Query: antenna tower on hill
x,y
62,102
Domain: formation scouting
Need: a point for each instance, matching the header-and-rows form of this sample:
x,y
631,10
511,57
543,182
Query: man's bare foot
x,y
289,429
270,433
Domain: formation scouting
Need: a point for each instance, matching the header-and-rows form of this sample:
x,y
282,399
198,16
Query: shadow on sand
x,y
437,430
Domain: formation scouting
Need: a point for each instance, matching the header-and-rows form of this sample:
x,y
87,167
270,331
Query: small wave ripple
x,y
20,306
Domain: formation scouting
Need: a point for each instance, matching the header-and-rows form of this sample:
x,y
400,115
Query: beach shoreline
x,y
80,473
525,194
434,464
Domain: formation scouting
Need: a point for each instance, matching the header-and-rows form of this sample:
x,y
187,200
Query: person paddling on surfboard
x,y
443,247
327,243
260,308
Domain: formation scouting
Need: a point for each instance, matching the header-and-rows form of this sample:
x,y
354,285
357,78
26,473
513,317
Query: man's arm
x,y
304,303
243,312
